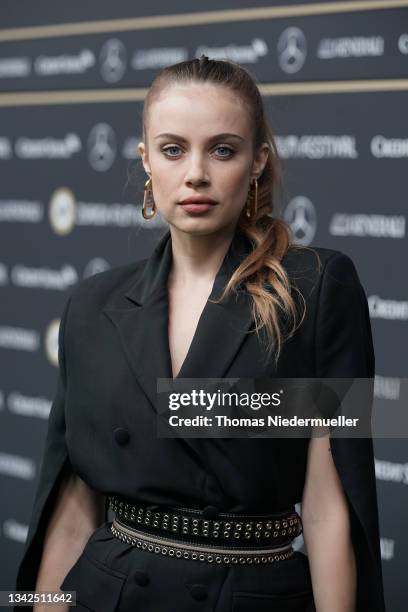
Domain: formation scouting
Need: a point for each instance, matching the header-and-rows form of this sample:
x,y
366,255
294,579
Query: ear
x,y
143,154
260,160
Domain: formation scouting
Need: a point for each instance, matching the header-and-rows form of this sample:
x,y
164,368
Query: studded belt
x,y
191,526
181,549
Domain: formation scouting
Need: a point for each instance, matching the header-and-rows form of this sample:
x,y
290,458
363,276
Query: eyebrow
x,y
212,139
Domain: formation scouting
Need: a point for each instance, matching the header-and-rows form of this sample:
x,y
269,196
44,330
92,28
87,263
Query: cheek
x,y
234,184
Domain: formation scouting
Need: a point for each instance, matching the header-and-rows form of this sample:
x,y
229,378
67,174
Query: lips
x,y
198,200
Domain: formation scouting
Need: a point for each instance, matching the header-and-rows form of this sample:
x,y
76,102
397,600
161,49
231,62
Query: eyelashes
x,y
231,152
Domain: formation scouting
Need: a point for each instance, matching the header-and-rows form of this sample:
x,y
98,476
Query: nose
x,y
197,172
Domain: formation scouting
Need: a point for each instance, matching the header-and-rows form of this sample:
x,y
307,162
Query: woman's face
x,y
199,142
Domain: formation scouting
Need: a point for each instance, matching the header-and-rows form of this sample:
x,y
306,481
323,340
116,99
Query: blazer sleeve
x,y
344,349
54,465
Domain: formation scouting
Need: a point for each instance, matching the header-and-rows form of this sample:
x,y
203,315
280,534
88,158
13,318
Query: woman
x,y
224,294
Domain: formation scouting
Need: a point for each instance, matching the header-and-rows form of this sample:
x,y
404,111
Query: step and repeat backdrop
x,y
72,83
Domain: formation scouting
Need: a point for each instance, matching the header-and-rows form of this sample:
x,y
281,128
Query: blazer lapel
x,y
141,320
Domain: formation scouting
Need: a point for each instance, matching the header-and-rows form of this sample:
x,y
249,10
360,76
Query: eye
x,y
230,152
227,151
168,149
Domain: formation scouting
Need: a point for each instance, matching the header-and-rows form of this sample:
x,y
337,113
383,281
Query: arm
x,y
326,532
78,512
344,350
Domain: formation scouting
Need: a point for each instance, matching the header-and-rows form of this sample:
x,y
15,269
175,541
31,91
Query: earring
x,y
252,201
148,200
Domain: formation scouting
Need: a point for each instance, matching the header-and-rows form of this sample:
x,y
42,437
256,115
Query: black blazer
x,y
113,345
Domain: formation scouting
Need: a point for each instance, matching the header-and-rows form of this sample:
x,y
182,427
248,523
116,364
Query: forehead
x,y
198,108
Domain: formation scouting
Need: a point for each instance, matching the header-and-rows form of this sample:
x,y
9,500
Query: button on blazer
x,y
113,346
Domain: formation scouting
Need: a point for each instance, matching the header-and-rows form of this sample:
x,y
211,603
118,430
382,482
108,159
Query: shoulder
x,y
98,289
316,265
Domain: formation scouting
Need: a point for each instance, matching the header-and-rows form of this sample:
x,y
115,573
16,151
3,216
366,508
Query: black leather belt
x,y
208,526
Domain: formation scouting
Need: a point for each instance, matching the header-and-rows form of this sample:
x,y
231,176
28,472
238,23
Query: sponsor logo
x,y
17,466
391,471
65,213
292,50
21,211
115,214
375,226
244,54
64,64
95,266
28,406
3,275
62,211
393,310
387,387
300,213
51,341
15,531
389,147
112,60
403,43
150,59
101,147
15,67
129,149
6,149
355,46
19,338
316,147
387,549
45,278
48,148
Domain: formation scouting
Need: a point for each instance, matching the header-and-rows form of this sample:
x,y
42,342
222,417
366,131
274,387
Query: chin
x,y
200,228
197,227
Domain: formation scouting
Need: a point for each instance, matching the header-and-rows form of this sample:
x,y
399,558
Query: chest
x,y
185,309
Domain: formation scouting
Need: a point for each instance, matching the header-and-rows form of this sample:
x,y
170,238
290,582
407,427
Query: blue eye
x,y
230,152
168,149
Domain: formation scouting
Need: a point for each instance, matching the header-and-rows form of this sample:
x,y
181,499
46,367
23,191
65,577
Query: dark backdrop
x,y
72,82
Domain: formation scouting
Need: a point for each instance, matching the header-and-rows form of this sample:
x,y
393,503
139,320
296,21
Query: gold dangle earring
x,y
148,200
252,201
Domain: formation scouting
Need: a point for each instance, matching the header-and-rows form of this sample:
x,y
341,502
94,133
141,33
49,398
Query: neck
x,y
197,258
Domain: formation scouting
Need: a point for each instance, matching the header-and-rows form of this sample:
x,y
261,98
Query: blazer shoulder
x,y
309,267
316,261
99,287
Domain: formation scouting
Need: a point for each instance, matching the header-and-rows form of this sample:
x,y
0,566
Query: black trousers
x,y
112,576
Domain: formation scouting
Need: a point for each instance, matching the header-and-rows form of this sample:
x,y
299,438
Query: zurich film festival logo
x,y
292,50
101,147
112,60
300,214
62,211
51,341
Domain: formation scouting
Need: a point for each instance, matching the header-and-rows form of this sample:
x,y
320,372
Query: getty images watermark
x,y
273,407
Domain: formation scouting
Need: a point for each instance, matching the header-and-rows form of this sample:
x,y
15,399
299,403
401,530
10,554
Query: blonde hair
x,y
273,306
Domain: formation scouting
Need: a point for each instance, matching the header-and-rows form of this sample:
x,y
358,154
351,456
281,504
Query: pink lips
x,y
197,204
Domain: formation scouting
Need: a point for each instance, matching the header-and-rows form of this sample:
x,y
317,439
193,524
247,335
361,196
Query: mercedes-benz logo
x,y
101,147
292,50
95,265
301,216
112,60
